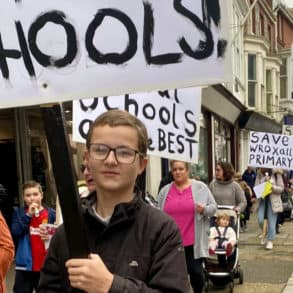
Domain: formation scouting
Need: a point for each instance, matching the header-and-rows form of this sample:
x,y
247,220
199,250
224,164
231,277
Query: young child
x,y
222,236
31,251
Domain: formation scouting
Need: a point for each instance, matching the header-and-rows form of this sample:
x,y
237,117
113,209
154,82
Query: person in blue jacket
x,y
30,251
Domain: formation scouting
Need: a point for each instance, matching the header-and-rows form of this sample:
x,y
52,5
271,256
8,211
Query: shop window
x,y
200,170
222,138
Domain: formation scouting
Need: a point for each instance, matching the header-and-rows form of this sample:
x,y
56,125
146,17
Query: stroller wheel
x,y
206,285
241,277
231,287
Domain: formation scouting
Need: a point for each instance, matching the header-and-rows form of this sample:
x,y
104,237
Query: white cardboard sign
x,y
52,51
172,119
270,150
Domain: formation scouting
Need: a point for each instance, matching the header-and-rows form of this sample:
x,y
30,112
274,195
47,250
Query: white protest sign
x,y
270,150
62,50
172,119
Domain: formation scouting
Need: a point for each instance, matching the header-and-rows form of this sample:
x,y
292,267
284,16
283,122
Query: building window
x,y
270,34
283,79
280,29
261,23
269,92
253,26
251,80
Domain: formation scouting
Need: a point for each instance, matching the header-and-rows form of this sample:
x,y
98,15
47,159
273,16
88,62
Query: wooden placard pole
x,y
60,152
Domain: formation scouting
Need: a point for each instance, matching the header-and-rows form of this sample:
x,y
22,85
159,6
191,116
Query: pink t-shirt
x,y
180,206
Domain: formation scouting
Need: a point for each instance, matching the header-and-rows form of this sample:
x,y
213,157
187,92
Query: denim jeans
x,y
26,281
272,218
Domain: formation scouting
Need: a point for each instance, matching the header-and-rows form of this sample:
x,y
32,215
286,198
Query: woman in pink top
x,y
190,203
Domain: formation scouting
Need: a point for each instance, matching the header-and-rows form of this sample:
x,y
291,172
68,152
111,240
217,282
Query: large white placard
x,y
172,119
270,150
63,50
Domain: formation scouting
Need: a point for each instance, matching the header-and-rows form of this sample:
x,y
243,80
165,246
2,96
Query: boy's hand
x,y
32,208
89,274
43,233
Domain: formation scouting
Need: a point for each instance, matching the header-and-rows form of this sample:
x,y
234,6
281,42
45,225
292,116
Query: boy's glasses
x,y
123,155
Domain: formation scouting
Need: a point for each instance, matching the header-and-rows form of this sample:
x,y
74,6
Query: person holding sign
x,y
134,246
269,203
190,203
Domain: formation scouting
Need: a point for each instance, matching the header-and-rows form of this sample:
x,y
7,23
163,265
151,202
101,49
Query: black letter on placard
x,y
81,127
161,139
164,120
114,58
150,145
176,96
254,137
91,107
145,111
174,116
211,10
190,132
205,48
148,36
128,102
180,142
164,94
6,54
106,104
24,49
191,142
57,17
170,142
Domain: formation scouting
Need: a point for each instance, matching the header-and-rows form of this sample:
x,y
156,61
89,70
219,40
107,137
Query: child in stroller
x,y
222,237
222,267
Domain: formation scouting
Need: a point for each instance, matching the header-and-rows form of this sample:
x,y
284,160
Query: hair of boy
x,y
32,184
114,118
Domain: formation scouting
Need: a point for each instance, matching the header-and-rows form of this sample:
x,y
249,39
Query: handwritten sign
x,y
270,150
63,50
172,119
287,129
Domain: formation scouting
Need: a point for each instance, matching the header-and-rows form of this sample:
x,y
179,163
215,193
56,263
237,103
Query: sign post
x,y
65,180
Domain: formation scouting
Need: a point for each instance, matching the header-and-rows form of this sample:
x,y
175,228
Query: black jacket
x,y
137,234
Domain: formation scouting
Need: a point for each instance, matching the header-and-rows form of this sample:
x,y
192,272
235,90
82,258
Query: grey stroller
x,y
220,270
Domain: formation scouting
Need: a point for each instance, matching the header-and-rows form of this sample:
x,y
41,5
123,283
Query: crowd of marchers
x,y
138,243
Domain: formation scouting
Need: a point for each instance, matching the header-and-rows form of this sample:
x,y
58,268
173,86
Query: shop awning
x,y
255,121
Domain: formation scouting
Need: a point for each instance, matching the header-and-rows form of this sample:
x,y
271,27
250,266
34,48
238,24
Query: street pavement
x,y
265,271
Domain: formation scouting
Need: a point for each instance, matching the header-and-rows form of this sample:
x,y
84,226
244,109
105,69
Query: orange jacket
x,y
6,252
